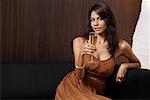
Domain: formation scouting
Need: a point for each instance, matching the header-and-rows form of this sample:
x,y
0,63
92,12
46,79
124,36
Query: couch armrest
x,y
136,85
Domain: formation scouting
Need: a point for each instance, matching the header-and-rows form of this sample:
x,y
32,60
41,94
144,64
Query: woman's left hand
x,y
121,73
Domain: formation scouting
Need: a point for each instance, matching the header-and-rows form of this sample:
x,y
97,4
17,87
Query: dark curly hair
x,y
110,33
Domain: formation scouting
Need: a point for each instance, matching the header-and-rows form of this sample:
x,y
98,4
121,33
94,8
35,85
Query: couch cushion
x,y
32,80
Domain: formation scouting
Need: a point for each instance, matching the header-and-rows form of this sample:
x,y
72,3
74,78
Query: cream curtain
x,y
141,37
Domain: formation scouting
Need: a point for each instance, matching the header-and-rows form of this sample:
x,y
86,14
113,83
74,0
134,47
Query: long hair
x,y
110,33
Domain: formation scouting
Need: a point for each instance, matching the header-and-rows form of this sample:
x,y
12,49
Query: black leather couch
x,y
38,81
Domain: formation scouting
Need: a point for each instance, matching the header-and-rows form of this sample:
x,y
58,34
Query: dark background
x,y
42,30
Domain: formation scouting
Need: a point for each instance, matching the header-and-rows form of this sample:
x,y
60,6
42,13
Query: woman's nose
x,y
95,23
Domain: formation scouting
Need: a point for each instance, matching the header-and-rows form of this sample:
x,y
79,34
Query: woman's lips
x,y
97,29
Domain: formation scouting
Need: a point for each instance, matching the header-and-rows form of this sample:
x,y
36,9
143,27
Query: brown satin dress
x,y
92,86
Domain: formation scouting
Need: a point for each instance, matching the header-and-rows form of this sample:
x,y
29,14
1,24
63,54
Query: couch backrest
x,y
40,80
34,80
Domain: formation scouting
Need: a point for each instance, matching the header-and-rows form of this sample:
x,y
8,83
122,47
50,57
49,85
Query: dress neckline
x,y
103,60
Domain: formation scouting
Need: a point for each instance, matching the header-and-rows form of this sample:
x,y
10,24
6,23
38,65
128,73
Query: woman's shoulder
x,y
123,45
79,39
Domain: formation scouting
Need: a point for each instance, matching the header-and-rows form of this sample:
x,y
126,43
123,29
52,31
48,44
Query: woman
x,y
88,81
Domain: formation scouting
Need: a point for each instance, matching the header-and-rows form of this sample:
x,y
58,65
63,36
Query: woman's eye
x,y
99,18
91,19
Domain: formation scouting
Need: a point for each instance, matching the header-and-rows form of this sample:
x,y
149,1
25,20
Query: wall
x,y
42,30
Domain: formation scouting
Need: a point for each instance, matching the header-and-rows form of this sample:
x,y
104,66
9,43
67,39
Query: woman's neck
x,y
101,38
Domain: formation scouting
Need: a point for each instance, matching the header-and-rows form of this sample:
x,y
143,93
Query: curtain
x,y
141,43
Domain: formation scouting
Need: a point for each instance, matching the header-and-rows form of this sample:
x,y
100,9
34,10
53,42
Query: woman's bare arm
x,y
125,49
77,46
78,57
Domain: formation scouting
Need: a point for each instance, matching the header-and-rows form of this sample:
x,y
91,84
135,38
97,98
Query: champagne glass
x,y
92,40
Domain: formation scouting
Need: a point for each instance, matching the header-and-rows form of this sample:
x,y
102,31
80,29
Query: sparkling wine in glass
x,y
92,40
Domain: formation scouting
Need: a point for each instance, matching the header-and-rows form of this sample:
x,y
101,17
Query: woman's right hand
x,y
88,48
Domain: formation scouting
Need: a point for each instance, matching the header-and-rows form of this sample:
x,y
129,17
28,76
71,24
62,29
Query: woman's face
x,y
97,24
